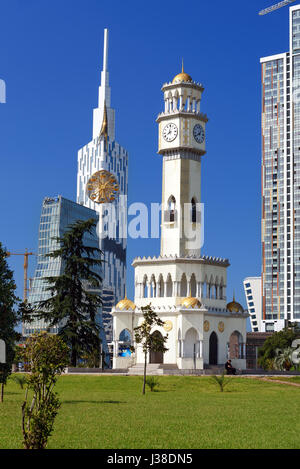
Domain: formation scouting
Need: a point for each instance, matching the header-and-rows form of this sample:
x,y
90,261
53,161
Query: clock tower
x,y
186,289
181,141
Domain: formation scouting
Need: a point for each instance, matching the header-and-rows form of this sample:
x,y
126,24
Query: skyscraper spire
x,y
104,89
103,110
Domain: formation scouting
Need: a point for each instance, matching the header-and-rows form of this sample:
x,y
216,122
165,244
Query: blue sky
x,y
50,59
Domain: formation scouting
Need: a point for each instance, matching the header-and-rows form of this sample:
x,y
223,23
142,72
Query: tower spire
x,y
105,50
104,89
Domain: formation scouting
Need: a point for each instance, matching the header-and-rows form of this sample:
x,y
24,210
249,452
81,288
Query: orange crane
x,y
26,254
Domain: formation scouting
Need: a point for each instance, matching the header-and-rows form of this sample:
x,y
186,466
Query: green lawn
x,y
186,412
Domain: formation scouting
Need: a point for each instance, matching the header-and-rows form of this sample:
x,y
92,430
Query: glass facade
x,y
281,181
56,216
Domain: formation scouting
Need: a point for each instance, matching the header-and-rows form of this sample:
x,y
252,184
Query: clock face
x,y
102,187
170,132
199,133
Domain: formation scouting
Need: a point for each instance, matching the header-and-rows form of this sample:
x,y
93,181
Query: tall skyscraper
x,y
57,214
281,183
102,186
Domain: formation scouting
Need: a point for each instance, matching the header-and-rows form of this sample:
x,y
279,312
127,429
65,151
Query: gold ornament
x,y
102,187
168,326
221,326
206,326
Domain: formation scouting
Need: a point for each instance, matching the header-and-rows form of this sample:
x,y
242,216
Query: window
x,y
194,211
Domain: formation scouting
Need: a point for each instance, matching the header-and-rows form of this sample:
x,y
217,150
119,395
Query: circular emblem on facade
x,y
102,187
206,326
168,326
221,326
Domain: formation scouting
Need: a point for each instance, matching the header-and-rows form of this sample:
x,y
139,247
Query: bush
x,y
279,340
46,357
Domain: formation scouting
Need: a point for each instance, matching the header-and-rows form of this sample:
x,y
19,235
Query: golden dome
x,y
191,302
182,77
125,304
235,307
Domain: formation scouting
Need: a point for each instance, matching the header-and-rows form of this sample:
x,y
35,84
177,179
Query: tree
x,y
279,340
46,357
10,316
149,341
73,305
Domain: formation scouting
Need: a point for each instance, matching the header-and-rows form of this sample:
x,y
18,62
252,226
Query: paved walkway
x,y
290,383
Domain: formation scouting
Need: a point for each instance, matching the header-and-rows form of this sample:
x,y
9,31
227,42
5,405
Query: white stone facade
x,y
185,289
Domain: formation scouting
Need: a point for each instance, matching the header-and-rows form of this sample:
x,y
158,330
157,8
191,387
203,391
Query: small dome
x,y
191,302
125,304
235,307
182,77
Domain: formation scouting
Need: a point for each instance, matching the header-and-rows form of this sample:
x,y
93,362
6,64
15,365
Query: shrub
x,y
46,357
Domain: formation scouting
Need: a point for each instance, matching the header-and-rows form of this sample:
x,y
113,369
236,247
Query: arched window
x,y
191,343
236,348
183,286
153,287
193,286
160,287
169,291
125,336
145,287
194,210
170,215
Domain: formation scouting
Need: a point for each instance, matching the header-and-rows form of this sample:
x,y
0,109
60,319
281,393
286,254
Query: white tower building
x,y
186,290
102,186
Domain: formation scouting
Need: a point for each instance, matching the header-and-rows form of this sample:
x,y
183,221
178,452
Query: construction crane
x,y
26,254
275,7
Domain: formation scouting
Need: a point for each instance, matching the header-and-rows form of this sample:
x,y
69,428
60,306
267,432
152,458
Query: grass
x,y
185,413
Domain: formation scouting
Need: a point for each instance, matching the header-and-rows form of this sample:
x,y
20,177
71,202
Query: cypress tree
x,y
9,317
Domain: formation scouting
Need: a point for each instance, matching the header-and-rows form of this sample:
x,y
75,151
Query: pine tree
x,y
72,305
10,316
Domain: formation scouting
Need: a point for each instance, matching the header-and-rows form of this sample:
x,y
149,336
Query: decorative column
x,y
153,289
148,289
165,288
182,348
188,288
200,348
179,348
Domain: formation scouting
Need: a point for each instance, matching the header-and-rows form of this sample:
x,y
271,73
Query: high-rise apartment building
x,y
252,287
57,215
102,186
280,282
